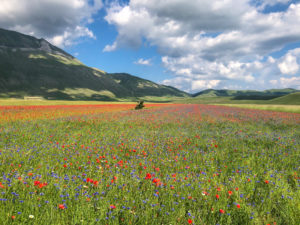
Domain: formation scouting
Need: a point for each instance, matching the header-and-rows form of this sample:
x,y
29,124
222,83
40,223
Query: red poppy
x,y
61,206
36,182
41,185
155,180
222,211
190,221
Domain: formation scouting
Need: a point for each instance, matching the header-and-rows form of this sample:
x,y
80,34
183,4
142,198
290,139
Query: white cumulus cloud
x,y
204,41
289,65
290,82
145,62
61,22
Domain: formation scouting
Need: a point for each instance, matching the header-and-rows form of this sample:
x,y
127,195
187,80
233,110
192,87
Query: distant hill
x,y
34,67
290,99
245,94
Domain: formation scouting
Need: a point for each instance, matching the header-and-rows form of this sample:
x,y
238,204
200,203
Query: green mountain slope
x,y
34,67
290,99
246,94
215,93
140,86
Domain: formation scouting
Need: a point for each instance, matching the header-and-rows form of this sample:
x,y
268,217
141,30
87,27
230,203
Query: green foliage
x,y
140,105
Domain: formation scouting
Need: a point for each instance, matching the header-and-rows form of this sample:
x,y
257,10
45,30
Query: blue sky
x,y
124,59
191,45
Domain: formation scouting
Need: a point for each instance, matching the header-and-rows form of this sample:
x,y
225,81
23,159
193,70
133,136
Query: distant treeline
x,y
256,97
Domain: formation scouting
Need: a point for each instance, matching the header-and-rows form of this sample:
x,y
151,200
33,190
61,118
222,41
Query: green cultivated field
x,y
279,108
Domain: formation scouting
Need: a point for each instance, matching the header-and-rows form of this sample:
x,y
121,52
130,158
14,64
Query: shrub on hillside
x,y
140,105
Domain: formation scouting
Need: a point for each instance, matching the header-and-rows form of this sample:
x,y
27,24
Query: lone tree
x,y
140,105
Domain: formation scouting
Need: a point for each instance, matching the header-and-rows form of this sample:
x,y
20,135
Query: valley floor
x,y
166,164
243,104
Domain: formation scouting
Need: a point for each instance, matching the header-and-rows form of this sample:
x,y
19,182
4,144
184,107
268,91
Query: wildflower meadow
x,y
164,164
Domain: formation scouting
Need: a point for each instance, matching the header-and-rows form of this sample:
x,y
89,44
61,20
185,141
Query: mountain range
x,y
34,67
246,94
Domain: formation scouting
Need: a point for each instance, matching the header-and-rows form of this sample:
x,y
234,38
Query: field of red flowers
x,y
165,164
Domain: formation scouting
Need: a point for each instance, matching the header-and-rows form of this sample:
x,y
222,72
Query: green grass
x,y
204,100
220,100
278,108
21,102
204,158
291,99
